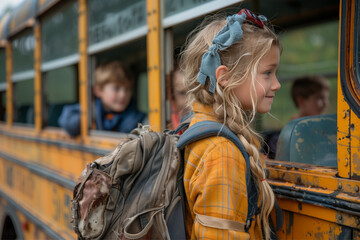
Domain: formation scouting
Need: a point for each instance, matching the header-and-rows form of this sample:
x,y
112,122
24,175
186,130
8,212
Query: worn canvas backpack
x,y
136,192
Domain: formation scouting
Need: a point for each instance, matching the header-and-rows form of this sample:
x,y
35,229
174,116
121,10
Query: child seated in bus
x,y
310,95
114,108
178,91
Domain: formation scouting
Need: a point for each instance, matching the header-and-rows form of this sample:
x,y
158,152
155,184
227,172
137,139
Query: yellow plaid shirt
x,y
215,184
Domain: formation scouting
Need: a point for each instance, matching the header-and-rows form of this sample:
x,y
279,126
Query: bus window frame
x,y
349,35
25,77
63,61
50,65
94,133
22,76
44,106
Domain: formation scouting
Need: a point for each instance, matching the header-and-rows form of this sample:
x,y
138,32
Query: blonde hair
x,y
114,72
242,59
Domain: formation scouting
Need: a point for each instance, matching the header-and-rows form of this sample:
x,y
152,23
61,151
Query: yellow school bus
x,y
50,48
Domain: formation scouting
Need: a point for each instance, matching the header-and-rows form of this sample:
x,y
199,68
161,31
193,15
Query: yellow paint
x,y
62,161
37,80
46,200
298,226
154,63
83,77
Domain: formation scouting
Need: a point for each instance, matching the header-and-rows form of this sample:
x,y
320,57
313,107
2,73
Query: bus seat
x,y
310,140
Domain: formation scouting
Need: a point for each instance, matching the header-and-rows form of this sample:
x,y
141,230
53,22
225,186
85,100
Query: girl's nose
x,y
275,85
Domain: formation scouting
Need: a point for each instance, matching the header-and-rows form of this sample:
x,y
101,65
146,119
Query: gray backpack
x,y
136,192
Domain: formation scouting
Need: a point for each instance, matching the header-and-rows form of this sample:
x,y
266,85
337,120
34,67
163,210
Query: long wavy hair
x,y
242,60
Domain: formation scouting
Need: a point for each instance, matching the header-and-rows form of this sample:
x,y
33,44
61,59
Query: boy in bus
x,y
114,108
178,91
310,95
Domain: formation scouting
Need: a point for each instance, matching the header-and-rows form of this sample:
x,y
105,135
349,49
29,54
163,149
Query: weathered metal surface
x,y
299,226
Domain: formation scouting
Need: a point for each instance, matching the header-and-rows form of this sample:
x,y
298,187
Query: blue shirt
x,y
124,121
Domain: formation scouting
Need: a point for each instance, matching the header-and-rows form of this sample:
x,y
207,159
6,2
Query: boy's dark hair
x,y
113,71
308,85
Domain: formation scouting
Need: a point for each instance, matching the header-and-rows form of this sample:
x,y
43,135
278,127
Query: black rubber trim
x,y
320,199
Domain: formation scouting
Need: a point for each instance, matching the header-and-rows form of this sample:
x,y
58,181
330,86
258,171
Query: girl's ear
x,y
220,71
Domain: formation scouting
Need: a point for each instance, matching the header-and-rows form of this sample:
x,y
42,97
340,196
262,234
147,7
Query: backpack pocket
x,y
89,204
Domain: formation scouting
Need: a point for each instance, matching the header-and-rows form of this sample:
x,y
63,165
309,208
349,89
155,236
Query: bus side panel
x,y
40,199
29,230
298,226
64,161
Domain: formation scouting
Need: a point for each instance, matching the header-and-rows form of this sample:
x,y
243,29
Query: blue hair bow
x,y
231,33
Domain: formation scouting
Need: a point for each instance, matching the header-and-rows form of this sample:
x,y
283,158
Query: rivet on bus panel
x,y
340,218
356,188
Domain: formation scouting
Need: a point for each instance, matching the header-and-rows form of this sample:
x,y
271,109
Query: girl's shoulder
x,y
214,146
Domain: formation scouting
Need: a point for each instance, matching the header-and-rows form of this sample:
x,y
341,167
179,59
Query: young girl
x,y
229,69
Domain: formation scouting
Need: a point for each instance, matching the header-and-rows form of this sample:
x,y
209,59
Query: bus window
x,y
60,89
59,49
59,34
117,31
2,106
23,77
307,51
130,58
110,19
24,101
2,85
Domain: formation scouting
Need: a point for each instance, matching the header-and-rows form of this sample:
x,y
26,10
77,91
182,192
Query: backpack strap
x,y
205,129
